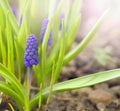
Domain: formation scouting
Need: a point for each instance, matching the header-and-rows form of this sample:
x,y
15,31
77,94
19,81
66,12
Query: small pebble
x,y
100,96
101,107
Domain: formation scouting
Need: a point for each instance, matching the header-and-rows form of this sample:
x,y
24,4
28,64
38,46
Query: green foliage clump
x,y
13,35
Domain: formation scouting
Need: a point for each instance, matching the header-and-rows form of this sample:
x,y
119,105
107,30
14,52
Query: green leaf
x,y
51,9
18,88
53,53
59,61
57,65
2,18
40,97
87,80
43,53
23,32
6,8
10,45
80,82
72,33
3,49
56,24
85,41
75,12
11,79
24,28
5,88
11,107
19,57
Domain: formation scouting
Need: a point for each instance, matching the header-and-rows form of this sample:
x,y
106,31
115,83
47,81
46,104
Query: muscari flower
x,y
31,51
21,19
43,30
61,18
14,10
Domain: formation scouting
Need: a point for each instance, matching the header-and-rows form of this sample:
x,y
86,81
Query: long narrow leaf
x,y
85,41
73,31
19,57
3,49
5,6
61,53
2,18
5,88
18,88
14,82
43,53
10,45
75,11
80,82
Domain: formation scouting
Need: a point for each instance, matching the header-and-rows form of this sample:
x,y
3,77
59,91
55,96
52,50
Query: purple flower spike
x,y
61,18
14,10
43,30
31,51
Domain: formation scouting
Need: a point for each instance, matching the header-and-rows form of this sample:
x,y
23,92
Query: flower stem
x,y
29,79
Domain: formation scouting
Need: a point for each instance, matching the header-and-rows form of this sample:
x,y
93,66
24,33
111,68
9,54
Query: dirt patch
x,y
102,97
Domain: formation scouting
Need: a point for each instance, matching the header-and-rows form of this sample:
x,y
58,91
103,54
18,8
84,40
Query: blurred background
x,y
107,39
92,9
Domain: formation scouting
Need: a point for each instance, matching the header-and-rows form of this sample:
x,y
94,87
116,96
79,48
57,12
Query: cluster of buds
x,y
31,51
43,30
14,10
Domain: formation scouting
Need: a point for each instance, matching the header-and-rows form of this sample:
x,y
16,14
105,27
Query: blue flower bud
x,y
21,19
43,30
61,18
31,51
14,10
